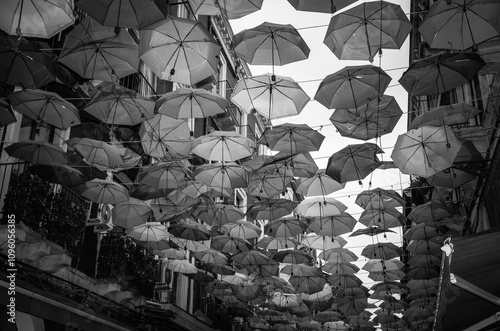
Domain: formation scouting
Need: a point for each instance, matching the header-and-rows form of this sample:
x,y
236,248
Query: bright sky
x,y
309,73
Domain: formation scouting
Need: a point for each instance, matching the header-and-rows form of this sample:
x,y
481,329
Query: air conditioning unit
x,y
104,220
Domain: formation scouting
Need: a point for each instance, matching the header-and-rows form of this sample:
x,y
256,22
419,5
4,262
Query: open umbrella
x,y
353,162
131,213
181,266
271,96
370,231
223,146
292,138
104,191
344,281
57,173
460,24
338,255
23,64
45,107
222,175
360,32
268,185
384,251
219,214
454,114
231,245
301,164
333,225
241,229
376,265
319,184
320,207
322,242
274,244
231,9
426,150
164,175
371,120
190,230
94,51
351,301
97,153
440,73
251,258
344,268
40,19
179,50
270,209
320,6
352,87
133,14
382,218
37,152
285,227
379,198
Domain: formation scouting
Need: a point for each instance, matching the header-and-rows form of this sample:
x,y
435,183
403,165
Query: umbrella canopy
x,y
431,211
268,185
371,120
382,218
338,255
285,227
191,245
57,173
460,24
301,164
230,245
133,14
104,191
271,209
360,32
308,284
191,103
440,73
383,251
379,198
23,64
323,242
190,230
320,6
297,259
45,107
231,9
292,138
241,229
320,207
37,152
39,19
115,104
274,244
353,162
370,231
458,113
131,213
345,268
251,258
164,175
426,150
352,87
271,96
352,301
319,184
270,44
219,214
179,50
451,178
344,281
223,146
181,266
222,175
375,265
94,51
333,225
98,153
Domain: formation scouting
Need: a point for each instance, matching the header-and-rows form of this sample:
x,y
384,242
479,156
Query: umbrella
x,y
190,230
164,175
222,175
131,213
440,73
192,245
271,96
353,162
287,300
165,209
343,268
307,279
344,281
319,184
104,191
271,44
458,113
423,260
40,19
320,6
323,242
379,198
301,164
274,244
451,177
231,245
191,103
428,246
38,152
426,150
297,258
241,229
211,256
371,120
338,255
45,107
382,218
360,32
94,51
172,253
285,227
269,185
384,251
115,104
231,9
182,266
388,275
422,231
370,231
377,265
23,64
270,209
98,153
164,137
251,258
333,225
179,50
351,300
352,87
219,214
460,24
320,207
292,138
223,146
57,173
247,292
431,211
133,14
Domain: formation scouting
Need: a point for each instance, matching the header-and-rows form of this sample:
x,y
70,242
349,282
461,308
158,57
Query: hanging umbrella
x,y
333,225
352,301
131,213
301,164
98,153
426,150
211,256
271,96
286,300
165,209
45,107
377,265
133,14
297,259
452,177
423,260
231,245
371,120
115,104
190,230
223,146
37,152
344,281
352,87
57,173
181,266
370,231
39,19
307,279
344,268
23,64
379,198
322,242
422,231
460,24
222,175
360,32
320,6
250,258
458,113
269,272
319,184
164,175
172,254
270,209
219,214
384,251
247,292
191,245
275,244
191,103
353,162
292,138
338,255
431,211
94,51
285,227
179,50
104,191
269,185
231,9
271,44
165,137
440,73
241,229
320,207
383,218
